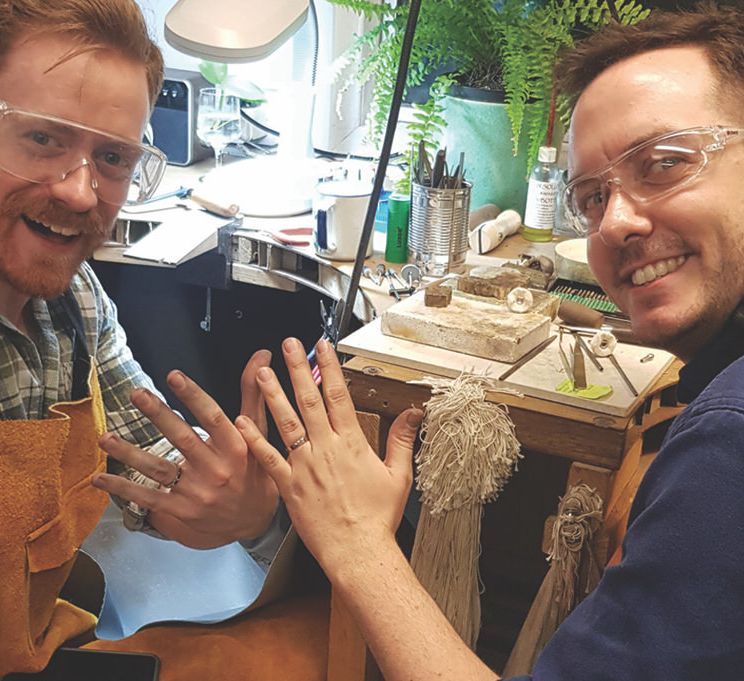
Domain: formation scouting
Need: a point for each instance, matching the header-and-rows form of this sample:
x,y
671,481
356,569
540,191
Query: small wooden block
x,y
437,296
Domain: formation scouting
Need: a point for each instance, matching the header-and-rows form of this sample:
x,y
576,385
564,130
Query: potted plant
x,y
507,48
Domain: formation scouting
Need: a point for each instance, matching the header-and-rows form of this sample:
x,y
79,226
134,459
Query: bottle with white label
x,y
542,194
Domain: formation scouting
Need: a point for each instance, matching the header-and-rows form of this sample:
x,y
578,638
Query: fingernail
x,y
291,345
264,355
99,481
264,374
176,379
323,347
414,418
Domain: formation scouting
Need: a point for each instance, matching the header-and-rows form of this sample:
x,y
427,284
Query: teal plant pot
x,y
482,130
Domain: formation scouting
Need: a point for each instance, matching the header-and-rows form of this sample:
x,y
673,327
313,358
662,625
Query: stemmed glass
x,y
218,120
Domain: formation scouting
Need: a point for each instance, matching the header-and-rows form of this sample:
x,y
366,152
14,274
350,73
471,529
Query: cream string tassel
x,y
573,573
469,451
579,516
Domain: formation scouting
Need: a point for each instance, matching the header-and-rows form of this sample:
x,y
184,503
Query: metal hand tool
x,y
530,355
438,172
424,163
588,352
623,375
459,172
412,275
565,363
578,368
376,280
392,290
226,211
394,275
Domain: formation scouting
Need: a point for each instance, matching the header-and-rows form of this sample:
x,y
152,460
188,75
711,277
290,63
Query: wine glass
x,y
218,120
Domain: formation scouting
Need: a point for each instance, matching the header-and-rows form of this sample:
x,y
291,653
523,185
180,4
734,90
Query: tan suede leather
x,y
284,641
47,508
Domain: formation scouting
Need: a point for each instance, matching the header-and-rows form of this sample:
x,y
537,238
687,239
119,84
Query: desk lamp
x,y
236,31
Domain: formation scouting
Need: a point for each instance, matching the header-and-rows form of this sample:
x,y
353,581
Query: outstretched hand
x,y
220,493
338,492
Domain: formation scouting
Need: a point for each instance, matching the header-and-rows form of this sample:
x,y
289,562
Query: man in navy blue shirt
x,y
656,166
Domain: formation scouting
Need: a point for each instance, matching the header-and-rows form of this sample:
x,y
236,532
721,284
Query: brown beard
x,y
51,275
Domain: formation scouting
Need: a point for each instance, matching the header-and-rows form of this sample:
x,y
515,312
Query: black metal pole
x,y
392,122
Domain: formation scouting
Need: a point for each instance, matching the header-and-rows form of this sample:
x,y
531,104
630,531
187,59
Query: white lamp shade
x,y
233,30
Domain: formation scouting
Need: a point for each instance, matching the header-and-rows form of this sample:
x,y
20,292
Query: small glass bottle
x,y
542,192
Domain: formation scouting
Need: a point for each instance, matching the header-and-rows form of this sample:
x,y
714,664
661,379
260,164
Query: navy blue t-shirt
x,y
673,608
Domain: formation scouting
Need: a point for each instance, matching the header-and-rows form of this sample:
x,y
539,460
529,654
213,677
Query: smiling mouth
x,y
54,232
657,270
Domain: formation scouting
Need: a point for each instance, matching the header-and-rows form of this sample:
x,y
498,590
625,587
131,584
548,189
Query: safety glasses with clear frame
x,y
646,172
46,149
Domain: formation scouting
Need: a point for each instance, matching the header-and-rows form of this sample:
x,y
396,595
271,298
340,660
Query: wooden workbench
x,y
562,446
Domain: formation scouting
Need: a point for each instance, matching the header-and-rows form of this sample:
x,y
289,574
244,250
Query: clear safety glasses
x,y
648,171
46,149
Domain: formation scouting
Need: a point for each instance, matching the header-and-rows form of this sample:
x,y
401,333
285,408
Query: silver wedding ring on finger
x,y
175,480
297,443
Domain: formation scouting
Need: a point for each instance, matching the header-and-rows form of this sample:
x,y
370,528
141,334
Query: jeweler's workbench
x,y
565,440
537,378
563,445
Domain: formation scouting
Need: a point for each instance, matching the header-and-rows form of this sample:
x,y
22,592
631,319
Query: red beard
x,y
50,274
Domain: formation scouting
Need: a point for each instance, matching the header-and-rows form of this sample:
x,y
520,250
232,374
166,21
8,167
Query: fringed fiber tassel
x,y
469,451
573,573
579,515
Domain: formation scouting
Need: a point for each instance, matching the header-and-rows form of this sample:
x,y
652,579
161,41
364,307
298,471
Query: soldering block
x,y
437,296
542,302
492,282
483,329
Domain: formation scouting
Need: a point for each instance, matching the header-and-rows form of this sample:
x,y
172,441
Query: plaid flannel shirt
x,y
36,374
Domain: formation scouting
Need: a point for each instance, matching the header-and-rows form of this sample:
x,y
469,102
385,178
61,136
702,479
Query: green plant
x,y
509,45
218,74
529,45
427,127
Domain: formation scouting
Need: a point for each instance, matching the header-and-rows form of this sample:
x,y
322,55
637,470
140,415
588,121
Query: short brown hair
x,y
113,24
719,30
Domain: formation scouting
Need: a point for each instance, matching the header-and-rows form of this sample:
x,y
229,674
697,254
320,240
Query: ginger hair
x,y
90,24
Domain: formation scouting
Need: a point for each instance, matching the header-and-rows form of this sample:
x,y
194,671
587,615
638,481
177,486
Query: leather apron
x,y
47,508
